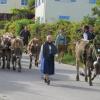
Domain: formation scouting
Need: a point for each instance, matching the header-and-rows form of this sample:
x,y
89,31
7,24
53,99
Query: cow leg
x,y
96,70
59,57
3,60
14,62
14,65
8,62
36,61
0,61
94,76
86,76
19,64
77,68
30,66
90,80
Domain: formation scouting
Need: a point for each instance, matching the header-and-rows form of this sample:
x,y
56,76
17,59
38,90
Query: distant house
x,y
54,10
7,5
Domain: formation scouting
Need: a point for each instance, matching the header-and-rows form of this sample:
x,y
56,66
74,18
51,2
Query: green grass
x,y
68,59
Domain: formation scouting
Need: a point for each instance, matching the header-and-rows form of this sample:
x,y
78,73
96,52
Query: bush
x,y
2,32
16,26
2,24
69,59
22,13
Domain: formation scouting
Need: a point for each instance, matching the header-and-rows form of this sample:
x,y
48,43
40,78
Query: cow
x,y
85,54
97,62
2,60
17,49
33,50
6,54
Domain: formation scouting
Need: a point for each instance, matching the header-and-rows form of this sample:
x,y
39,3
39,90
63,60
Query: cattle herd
x,y
11,49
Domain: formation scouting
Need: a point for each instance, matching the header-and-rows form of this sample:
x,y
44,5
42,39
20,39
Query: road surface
x,y
28,85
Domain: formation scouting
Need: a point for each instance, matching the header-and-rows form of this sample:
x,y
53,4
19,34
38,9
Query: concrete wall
x,y
73,11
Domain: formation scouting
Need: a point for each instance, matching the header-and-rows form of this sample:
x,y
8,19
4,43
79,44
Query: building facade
x,y
7,5
54,10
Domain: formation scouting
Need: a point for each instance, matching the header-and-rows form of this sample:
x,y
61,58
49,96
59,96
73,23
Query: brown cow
x,y
2,54
97,48
33,50
17,49
85,54
6,44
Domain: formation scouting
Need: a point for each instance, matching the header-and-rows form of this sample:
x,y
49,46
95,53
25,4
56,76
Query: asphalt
x,y
28,84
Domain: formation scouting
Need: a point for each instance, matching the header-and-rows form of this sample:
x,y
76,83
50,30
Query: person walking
x,y
25,35
48,49
61,43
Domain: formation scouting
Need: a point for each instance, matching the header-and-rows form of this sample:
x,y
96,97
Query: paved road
x,y
29,86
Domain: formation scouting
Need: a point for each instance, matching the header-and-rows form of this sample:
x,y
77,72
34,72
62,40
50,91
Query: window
x,y
3,1
66,1
92,1
64,17
73,0
24,2
57,0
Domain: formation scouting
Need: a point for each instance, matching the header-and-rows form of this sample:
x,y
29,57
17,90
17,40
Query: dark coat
x,y
49,58
90,36
25,35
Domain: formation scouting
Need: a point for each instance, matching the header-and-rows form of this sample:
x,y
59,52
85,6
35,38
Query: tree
x,y
31,4
22,13
98,3
96,10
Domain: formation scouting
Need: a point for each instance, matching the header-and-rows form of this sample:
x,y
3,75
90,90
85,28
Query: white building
x,y
53,10
7,5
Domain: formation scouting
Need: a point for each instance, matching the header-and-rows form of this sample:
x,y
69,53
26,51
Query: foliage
x,y
89,20
96,9
16,26
68,59
31,4
2,24
26,12
98,3
22,13
97,26
2,32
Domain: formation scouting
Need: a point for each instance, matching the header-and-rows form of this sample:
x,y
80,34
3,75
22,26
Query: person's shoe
x,y
48,82
45,80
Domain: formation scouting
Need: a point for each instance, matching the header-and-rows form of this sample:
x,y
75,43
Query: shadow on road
x,y
77,88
